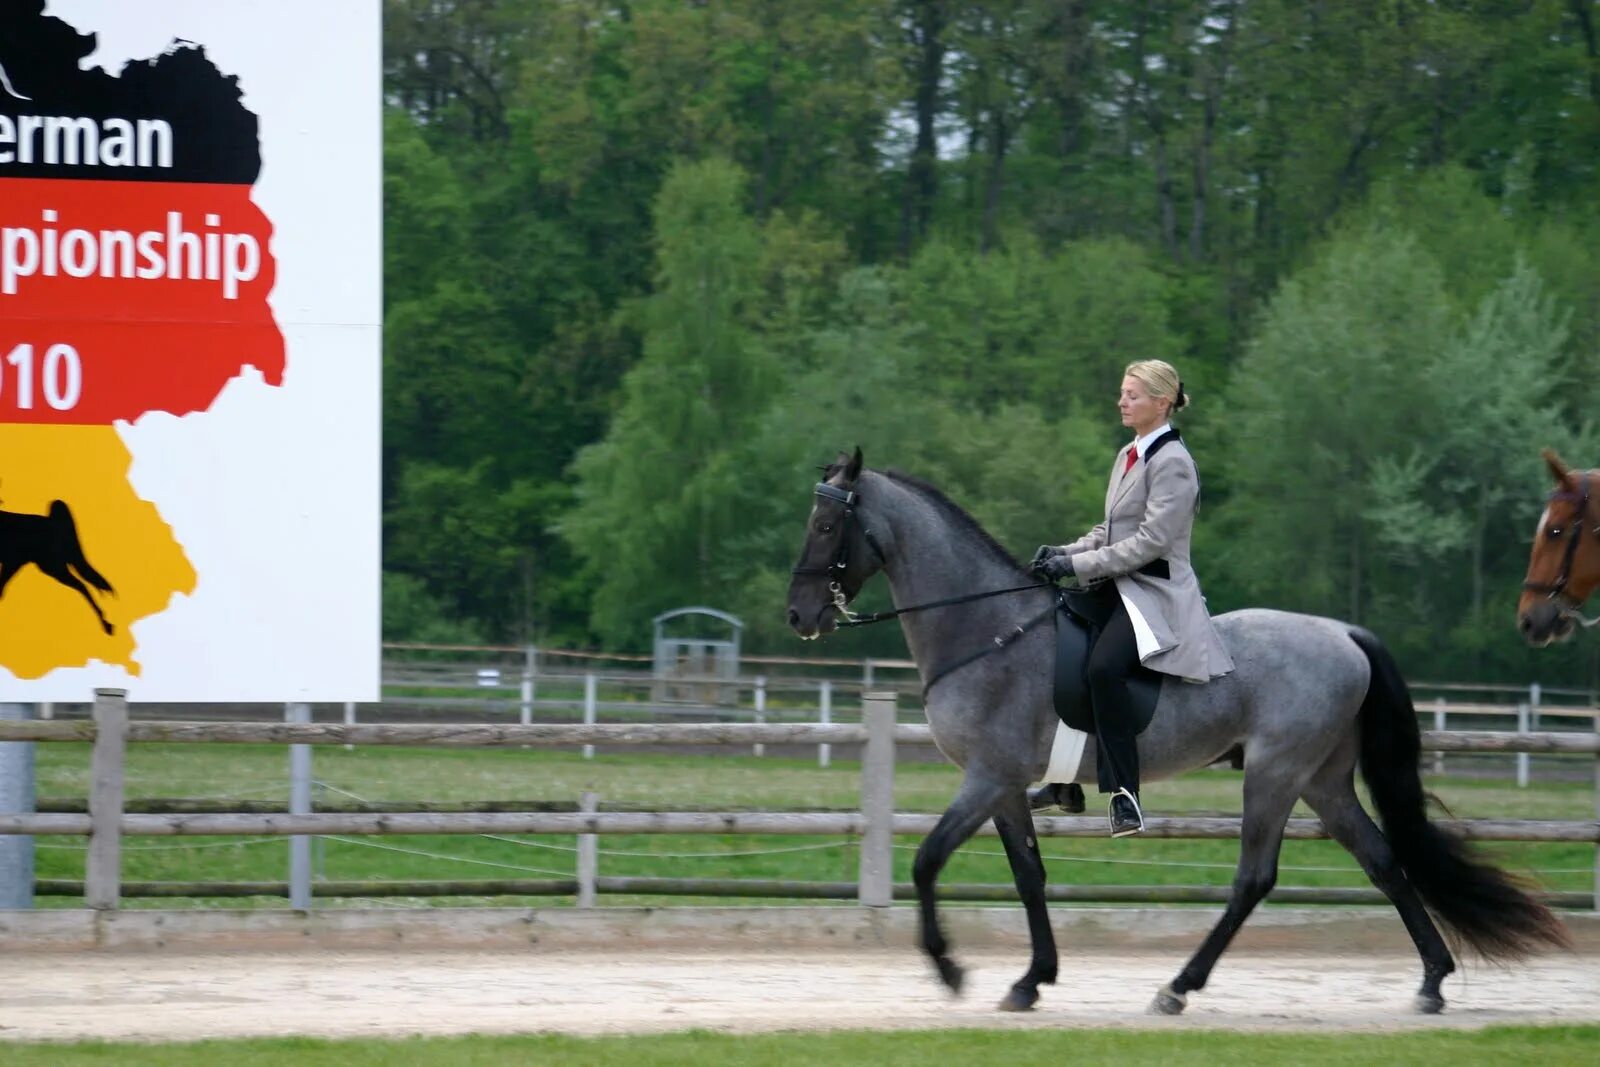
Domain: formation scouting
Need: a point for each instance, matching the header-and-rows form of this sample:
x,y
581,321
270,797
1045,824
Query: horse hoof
x,y
951,974
1168,1002
1429,1003
1020,999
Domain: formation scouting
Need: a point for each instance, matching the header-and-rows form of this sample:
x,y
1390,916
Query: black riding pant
x,y
1113,660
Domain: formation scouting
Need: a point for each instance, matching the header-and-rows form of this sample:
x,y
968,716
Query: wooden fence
x,y
558,695
525,684
875,824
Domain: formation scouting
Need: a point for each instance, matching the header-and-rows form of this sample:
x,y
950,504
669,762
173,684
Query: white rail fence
x,y
874,825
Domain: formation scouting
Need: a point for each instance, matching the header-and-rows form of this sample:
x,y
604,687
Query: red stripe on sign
x,y
122,298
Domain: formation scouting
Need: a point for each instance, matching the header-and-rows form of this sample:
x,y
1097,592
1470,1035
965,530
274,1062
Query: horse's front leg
x,y
1015,823
975,802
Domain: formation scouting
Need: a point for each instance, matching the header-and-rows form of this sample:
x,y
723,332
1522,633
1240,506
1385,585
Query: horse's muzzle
x,y
821,622
1544,622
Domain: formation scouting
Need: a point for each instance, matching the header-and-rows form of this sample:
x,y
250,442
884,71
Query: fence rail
x,y
874,825
480,735
815,824
760,888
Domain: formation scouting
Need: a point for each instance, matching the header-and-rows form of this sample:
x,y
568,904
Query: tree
x,y
658,495
1335,381
1019,325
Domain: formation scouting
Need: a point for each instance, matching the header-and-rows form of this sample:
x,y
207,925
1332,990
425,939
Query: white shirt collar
x,y
1142,443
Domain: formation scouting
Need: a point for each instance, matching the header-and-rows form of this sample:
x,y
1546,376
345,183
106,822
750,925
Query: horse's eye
x,y
1554,531
825,527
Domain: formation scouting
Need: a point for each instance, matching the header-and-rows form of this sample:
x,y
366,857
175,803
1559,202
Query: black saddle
x,y
1080,615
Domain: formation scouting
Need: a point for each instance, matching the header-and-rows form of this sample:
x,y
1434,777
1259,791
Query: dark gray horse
x,y
1309,698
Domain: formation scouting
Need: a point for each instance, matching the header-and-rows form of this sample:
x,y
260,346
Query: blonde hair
x,y
1161,378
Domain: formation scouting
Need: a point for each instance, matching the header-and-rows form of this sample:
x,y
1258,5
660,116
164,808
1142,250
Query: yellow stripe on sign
x,y
54,557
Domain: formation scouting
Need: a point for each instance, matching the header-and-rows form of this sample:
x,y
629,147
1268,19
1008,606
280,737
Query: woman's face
x,y
1140,410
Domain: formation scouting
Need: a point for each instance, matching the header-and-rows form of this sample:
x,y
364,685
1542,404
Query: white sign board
x,y
190,275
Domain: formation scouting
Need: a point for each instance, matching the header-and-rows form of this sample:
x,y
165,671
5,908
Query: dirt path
x,y
171,996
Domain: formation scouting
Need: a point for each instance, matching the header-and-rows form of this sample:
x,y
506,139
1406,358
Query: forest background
x,y
649,263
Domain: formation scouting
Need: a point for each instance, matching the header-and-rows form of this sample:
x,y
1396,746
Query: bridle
x,y
1557,590
835,571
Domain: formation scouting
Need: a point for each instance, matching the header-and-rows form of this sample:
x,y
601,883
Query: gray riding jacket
x,y
1143,545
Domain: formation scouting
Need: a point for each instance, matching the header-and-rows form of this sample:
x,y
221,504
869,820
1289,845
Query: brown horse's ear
x,y
1558,468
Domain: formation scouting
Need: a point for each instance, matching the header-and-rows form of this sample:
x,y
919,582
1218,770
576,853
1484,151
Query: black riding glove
x,y
1036,565
1057,567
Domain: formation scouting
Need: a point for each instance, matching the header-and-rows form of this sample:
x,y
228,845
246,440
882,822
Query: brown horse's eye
x,y
1554,531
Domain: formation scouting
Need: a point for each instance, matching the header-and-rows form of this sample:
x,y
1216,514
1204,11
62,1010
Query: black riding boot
x,y
1117,767
1068,796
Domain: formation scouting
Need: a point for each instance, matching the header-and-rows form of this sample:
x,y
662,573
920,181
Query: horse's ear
x,y
853,470
1558,468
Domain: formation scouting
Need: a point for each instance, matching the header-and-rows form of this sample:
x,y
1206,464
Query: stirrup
x,y
1125,830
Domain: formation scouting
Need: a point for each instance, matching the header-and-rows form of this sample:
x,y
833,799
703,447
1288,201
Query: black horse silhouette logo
x,y
50,542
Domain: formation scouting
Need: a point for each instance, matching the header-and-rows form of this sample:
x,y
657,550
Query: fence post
x,y
876,887
299,804
1438,724
530,661
589,700
758,748
102,876
17,797
349,719
824,715
1534,695
588,853
1522,757
47,711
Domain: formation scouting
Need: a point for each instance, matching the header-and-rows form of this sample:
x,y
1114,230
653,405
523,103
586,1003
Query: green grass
x,y
1547,1046
737,782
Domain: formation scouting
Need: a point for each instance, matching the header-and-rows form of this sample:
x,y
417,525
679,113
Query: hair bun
x,y
1182,398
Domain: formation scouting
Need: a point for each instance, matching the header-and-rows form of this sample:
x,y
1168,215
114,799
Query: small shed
x,y
697,656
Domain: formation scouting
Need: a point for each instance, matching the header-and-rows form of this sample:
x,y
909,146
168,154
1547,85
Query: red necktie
x,y
1133,457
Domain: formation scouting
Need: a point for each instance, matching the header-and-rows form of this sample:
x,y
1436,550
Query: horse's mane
x,y
956,513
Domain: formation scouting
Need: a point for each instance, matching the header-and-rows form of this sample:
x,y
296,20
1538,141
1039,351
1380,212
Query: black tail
x,y
61,516
1481,904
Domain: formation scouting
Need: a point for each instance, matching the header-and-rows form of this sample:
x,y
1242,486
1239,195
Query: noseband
x,y
1557,590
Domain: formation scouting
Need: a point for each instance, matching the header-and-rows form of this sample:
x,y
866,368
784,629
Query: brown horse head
x,y
1564,568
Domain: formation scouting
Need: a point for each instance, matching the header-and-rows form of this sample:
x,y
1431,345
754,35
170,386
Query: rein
x,y
841,563
1557,590
853,619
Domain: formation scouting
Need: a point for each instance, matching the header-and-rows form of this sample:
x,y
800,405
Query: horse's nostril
x,y
794,617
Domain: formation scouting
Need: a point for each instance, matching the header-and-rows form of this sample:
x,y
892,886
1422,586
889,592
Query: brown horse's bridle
x,y
1557,589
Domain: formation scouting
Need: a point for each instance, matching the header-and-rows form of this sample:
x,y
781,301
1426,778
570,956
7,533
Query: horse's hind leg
x,y
1349,824
1268,799
976,800
1015,824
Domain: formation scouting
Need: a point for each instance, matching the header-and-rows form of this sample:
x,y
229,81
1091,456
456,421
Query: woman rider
x,y
1151,609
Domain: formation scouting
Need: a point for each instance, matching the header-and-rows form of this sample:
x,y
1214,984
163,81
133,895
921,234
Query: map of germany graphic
x,y
134,276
